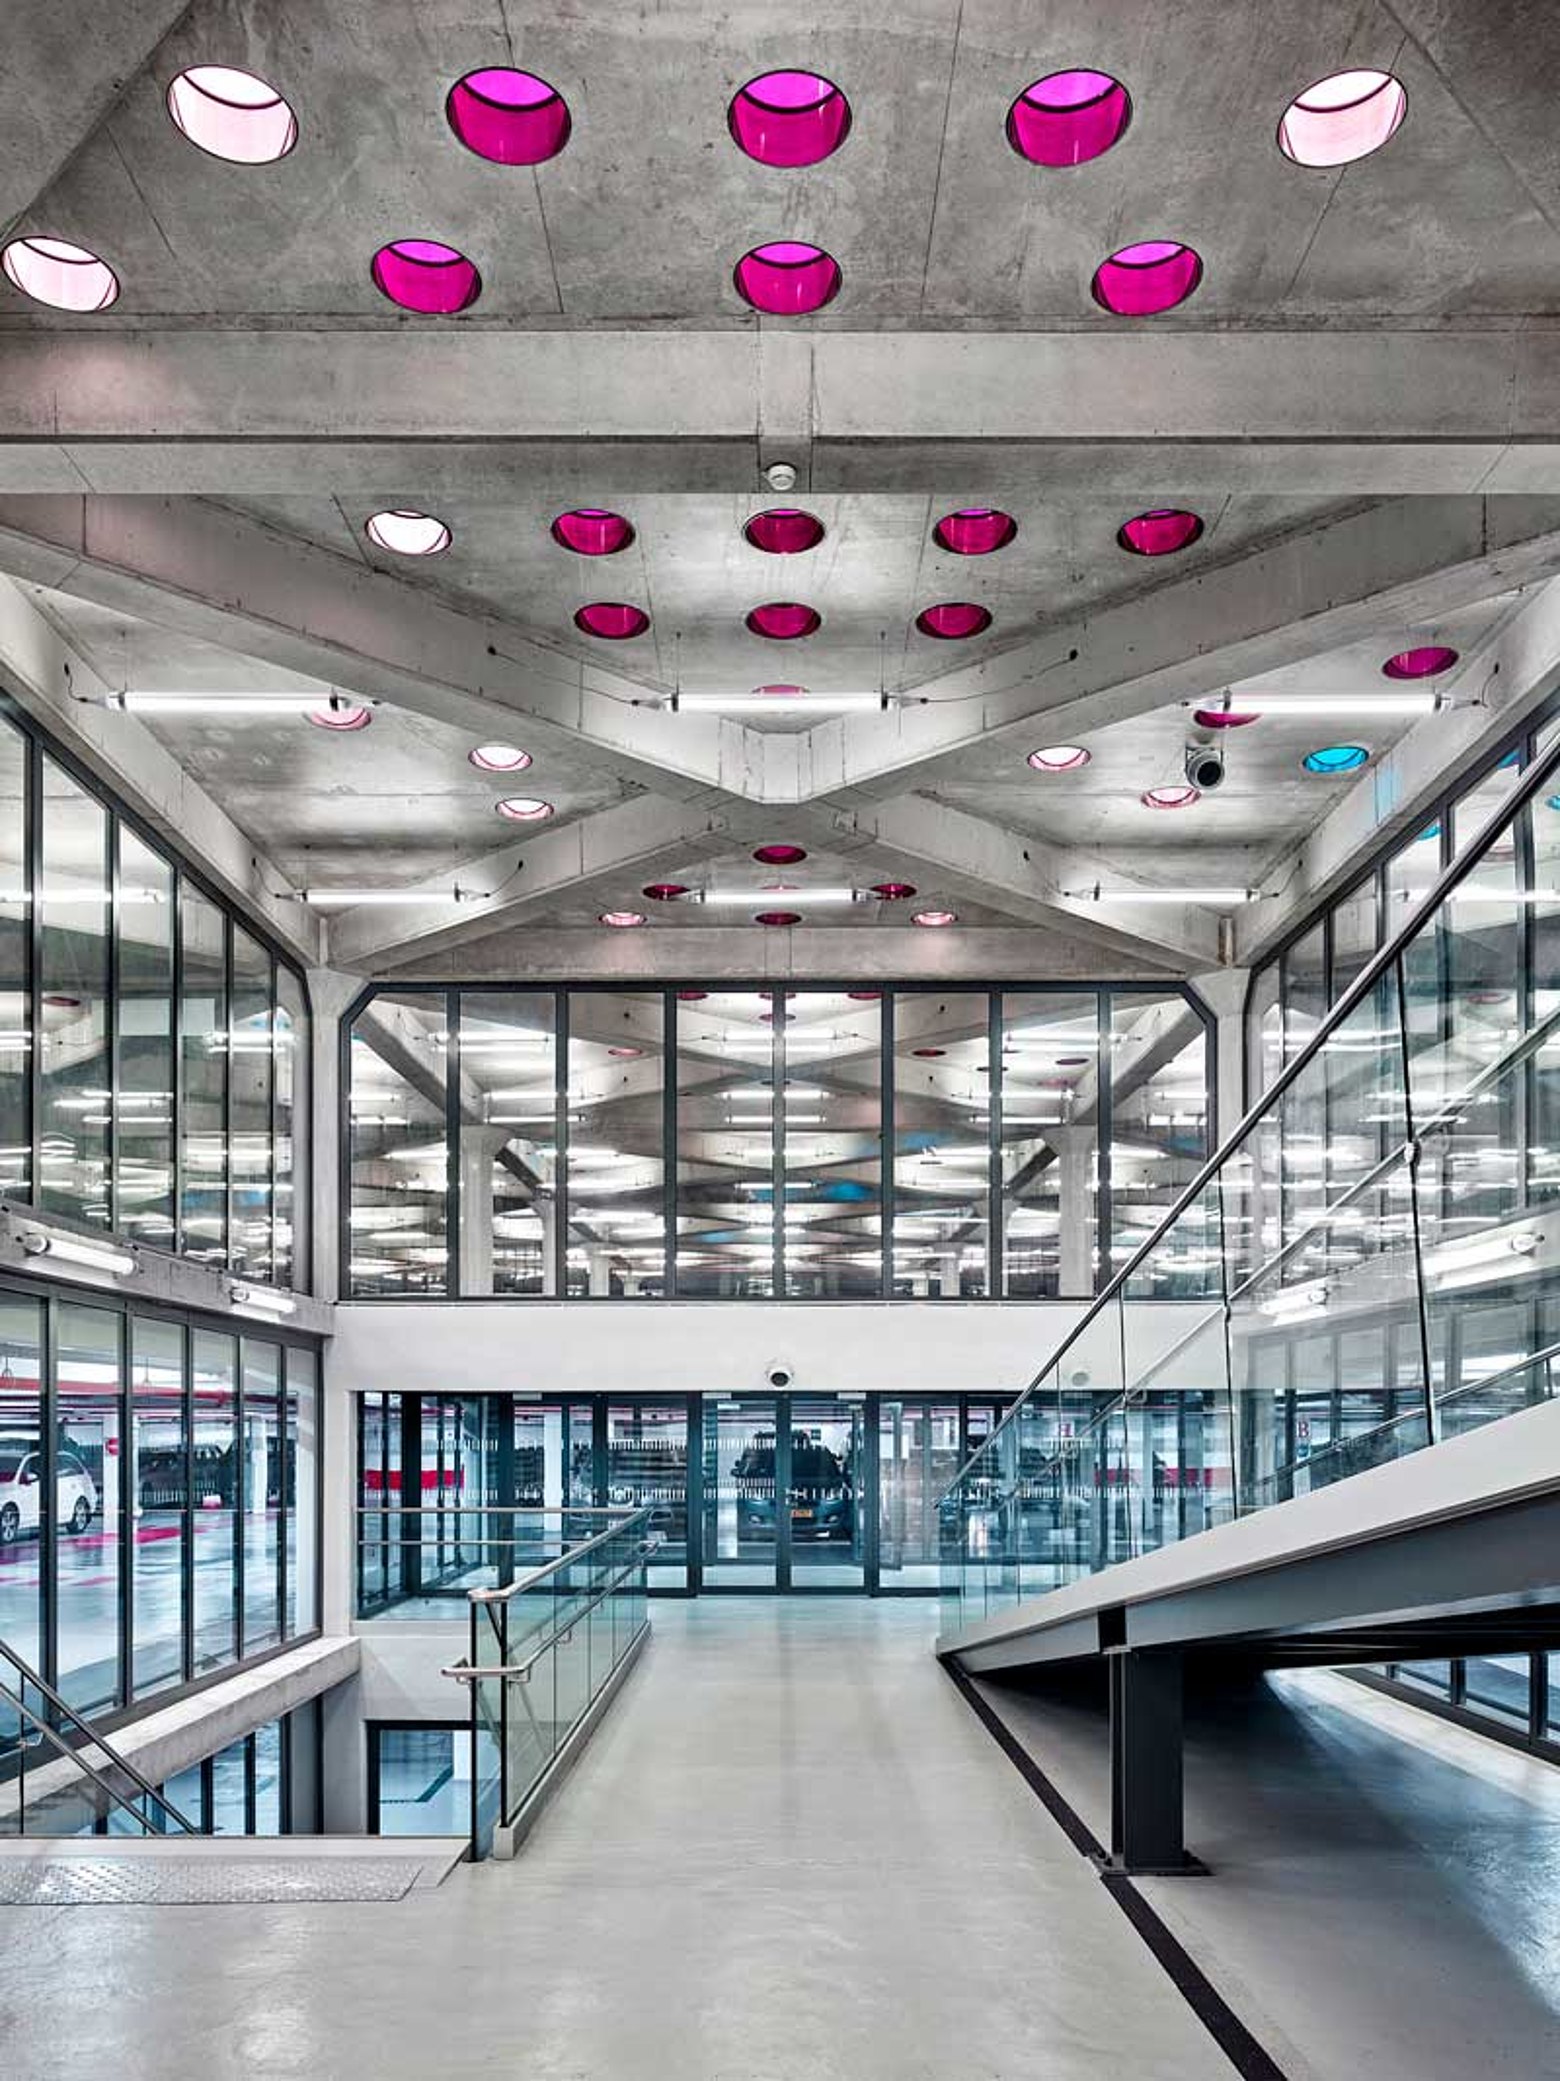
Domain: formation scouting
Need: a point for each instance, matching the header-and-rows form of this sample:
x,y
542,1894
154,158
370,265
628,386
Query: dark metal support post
x,y
1145,1763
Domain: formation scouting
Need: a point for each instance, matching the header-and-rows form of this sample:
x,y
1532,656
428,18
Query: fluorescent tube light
x,y
91,1256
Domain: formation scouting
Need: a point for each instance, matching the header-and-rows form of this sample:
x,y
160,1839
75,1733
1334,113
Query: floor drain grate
x,y
81,1882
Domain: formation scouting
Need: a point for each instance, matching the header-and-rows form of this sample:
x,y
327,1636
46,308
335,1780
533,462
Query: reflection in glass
x,y
399,1198
647,1462
261,1491
88,1471
15,997
21,1482
508,1143
942,1145
143,1108
203,1073
827,1490
616,1183
159,1502
726,1075
300,1492
1051,1116
1159,1142
73,1002
249,1048
213,1374
741,1484
832,1144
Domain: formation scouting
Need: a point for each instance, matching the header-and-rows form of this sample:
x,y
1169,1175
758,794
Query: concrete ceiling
x,y
1360,402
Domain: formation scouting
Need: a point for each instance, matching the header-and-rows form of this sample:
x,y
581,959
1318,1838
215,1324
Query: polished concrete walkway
x,y
1385,1898
791,1851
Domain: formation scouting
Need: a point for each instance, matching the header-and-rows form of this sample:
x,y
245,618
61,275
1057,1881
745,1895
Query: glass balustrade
x,y
1376,1249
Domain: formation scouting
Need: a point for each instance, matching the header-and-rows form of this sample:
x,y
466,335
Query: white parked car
x,y
21,1489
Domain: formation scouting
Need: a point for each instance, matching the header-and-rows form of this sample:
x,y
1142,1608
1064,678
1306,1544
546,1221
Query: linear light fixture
x,y
82,1251
1383,703
778,704
323,899
1291,1302
261,1300
767,896
1100,895
215,704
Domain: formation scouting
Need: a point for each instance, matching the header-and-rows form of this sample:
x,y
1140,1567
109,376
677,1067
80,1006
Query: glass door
x,y
826,1519
741,1475
918,1456
647,1462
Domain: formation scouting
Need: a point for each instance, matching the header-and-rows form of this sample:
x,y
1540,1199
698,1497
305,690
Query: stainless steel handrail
x,y
494,1509
467,1673
29,1675
1533,781
626,1513
111,1794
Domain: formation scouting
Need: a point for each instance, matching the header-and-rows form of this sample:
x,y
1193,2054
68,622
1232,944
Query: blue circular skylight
x,y
1336,758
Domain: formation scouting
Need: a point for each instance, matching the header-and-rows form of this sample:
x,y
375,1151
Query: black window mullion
x,y
226,1051
888,1140
1104,1132
34,887
187,1510
48,1529
996,1249
111,1026
561,1146
669,1140
777,1151
453,1283
125,1541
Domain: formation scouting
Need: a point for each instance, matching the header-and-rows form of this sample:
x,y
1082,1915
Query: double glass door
x,y
785,1488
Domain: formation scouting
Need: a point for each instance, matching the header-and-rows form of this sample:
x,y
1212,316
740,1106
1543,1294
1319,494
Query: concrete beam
x,y
845,955
1508,678
67,65
215,575
59,689
973,860
585,859
1401,563
167,406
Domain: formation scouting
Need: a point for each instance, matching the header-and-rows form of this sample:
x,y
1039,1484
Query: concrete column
x,y
599,1259
546,1211
479,1146
1077,1195
1224,992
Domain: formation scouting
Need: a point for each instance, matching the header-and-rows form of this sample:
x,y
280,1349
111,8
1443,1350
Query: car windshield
x,y
11,1463
812,1466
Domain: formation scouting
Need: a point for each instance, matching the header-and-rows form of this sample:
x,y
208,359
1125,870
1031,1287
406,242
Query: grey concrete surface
x,y
791,1850
1384,1887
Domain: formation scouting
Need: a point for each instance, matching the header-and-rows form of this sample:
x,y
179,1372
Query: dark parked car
x,y
822,1497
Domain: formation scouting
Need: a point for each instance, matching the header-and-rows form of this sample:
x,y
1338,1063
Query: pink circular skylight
x,y
592,531
1345,117
340,716
232,114
425,275
511,117
626,1054
1068,118
893,892
974,531
664,892
524,809
777,917
1161,531
1224,718
1154,275
789,118
953,620
781,693
1171,798
1059,758
928,1054
779,855
615,620
935,917
692,996
407,533
621,920
783,531
782,621
1424,663
863,996
499,758
66,277
787,278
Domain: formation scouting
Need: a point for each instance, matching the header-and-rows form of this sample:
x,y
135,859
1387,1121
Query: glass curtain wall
x,y
747,1144
158,1496
169,1043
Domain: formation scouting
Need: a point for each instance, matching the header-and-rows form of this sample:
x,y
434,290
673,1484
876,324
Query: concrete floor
x,y
791,1850
1385,1897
